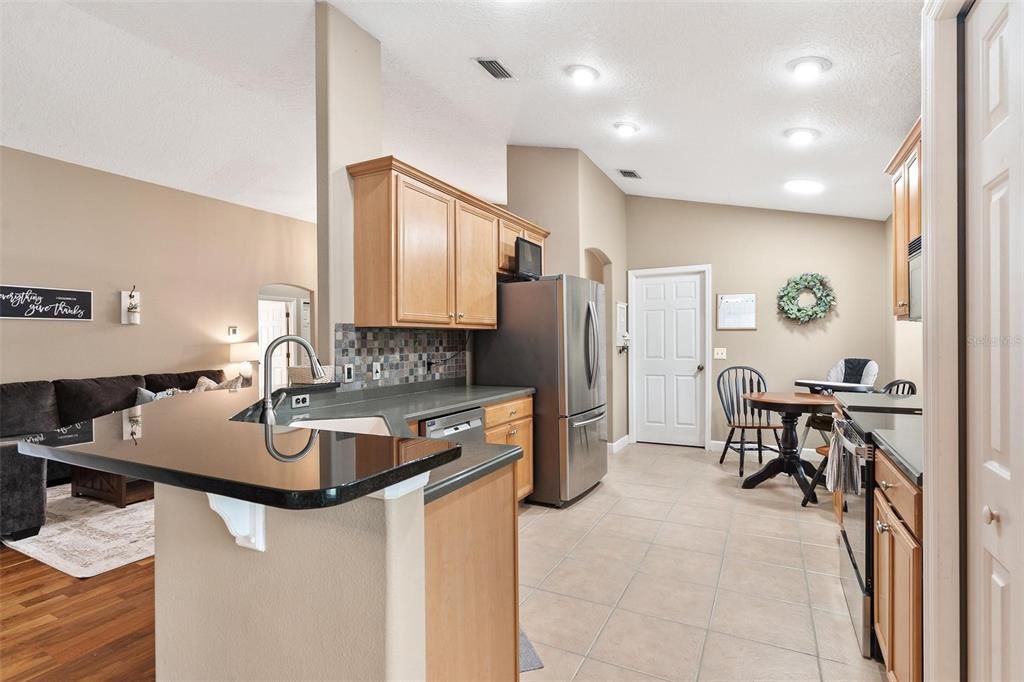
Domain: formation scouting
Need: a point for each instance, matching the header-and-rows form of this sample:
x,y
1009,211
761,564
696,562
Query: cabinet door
x,y
507,233
476,250
883,577
901,289
906,652
425,268
912,171
520,433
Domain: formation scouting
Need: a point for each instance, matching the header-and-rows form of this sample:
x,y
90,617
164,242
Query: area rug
x,y
528,658
84,537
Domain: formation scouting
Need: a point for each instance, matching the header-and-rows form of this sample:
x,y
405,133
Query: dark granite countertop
x,y
192,442
898,430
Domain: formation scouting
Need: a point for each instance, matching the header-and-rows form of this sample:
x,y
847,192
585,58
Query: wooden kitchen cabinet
x,y
427,254
905,170
898,579
511,423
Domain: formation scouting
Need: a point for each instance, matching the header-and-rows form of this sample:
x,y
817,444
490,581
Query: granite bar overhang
x,y
192,442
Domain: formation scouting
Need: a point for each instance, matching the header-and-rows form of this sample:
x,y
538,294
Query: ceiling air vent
x,y
495,68
632,174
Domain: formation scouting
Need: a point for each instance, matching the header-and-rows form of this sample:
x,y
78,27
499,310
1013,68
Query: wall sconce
x,y
131,307
131,424
245,354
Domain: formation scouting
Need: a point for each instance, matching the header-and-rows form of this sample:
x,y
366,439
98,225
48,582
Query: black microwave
x,y
528,259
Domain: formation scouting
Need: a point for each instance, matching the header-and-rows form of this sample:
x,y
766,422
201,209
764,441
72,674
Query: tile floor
x,y
670,571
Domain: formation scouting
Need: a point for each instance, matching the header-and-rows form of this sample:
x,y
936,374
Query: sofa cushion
x,y
181,380
81,399
28,407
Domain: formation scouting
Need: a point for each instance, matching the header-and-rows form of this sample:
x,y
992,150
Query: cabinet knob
x,y
462,315
512,411
451,316
989,515
885,485
881,527
513,432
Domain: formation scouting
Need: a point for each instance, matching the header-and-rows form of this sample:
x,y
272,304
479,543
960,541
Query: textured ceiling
x,y
215,98
706,82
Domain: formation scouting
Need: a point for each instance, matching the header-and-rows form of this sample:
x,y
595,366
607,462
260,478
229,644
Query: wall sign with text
x,y
39,303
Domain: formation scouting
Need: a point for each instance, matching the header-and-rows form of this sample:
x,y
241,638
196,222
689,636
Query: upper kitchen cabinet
x,y
426,253
905,171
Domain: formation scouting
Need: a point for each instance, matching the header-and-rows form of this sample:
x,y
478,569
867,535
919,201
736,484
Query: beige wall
x,y
563,191
602,221
349,117
197,262
756,251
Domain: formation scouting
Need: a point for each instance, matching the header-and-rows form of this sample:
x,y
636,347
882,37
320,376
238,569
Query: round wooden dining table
x,y
789,406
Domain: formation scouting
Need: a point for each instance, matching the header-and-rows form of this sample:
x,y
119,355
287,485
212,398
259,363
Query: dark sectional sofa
x,y
31,407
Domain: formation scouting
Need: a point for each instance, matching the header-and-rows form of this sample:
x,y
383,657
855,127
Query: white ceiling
x,y
217,98
706,82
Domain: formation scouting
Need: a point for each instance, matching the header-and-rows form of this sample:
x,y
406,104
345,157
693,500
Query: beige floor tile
x,y
535,562
768,501
696,515
600,500
764,580
581,578
595,671
670,599
820,513
730,659
763,620
576,515
814,533
600,546
658,493
769,526
651,645
833,671
629,527
562,622
826,592
524,592
836,639
821,559
764,549
559,665
551,534
682,564
644,509
710,540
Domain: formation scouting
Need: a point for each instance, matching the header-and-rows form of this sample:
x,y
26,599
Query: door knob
x,y
989,515
700,368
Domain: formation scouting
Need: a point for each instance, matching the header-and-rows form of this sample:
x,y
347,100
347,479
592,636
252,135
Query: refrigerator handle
x,y
588,344
597,339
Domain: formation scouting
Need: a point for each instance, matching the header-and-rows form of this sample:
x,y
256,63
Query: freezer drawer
x,y
584,452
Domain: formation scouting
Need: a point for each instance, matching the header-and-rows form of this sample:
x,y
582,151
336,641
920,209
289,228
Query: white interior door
x,y
274,322
995,353
669,379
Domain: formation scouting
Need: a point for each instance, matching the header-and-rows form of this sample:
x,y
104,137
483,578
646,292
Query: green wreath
x,y
789,297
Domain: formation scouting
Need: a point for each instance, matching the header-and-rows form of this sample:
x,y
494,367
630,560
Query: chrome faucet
x,y
267,416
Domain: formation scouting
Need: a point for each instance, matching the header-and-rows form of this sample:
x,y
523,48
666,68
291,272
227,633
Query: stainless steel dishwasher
x,y
464,427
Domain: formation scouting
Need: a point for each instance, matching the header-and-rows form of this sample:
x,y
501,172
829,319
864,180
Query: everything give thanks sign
x,y
40,303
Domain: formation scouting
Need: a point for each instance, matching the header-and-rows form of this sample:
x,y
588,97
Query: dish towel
x,y
842,471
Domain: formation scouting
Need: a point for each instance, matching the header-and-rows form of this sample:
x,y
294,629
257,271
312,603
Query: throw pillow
x,y
205,384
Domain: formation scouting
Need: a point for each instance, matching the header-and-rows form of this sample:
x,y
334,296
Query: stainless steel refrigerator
x,y
551,335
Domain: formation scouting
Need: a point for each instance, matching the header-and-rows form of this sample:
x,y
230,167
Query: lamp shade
x,y
245,352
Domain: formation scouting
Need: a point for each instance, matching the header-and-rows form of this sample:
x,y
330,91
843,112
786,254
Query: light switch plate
x,y
376,371
721,354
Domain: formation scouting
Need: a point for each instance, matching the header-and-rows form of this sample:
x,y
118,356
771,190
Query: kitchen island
x,y
312,537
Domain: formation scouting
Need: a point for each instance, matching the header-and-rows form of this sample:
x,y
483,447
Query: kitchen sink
x,y
375,426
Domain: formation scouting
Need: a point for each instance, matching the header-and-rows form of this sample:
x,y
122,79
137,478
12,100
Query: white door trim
x,y
942,340
633,276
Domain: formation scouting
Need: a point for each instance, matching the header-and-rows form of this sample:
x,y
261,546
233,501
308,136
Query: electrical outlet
x,y
348,373
376,371
721,354
300,401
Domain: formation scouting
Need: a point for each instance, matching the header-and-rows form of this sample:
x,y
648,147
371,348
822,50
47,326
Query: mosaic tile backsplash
x,y
404,355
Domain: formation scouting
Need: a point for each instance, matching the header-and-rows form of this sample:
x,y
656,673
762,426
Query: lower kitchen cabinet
x,y
472,581
511,423
898,581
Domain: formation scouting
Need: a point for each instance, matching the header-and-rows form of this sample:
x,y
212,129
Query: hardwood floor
x,y
55,627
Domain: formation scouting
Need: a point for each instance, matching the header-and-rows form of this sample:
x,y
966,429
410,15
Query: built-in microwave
x,y
914,276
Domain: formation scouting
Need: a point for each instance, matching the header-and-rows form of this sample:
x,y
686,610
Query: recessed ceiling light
x,y
801,137
804,187
582,75
626,129
809,69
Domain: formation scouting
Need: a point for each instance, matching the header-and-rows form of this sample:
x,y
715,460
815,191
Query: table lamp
x,y
244,355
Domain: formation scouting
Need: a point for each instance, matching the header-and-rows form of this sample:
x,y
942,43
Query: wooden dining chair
x,y
733,382
900,387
